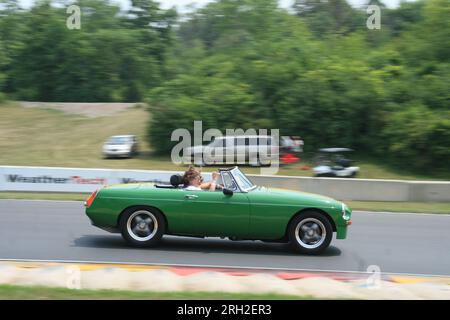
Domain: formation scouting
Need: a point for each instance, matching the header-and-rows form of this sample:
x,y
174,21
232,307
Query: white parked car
x,y
256,150
121,146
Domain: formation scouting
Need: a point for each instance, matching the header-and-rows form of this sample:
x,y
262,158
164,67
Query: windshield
x,y
244,183
119,140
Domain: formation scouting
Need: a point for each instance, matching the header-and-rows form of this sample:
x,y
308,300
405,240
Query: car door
x,y
212,213
241,149
213,152
230,151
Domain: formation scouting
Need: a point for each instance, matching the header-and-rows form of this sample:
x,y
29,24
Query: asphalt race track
x,y
59,230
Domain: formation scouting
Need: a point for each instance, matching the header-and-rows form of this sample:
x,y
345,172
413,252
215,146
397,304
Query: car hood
x,y
297,197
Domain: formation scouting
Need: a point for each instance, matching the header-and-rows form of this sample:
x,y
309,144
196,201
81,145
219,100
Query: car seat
x,y
175,181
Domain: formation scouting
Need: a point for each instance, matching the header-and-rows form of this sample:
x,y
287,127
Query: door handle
x,y
191,196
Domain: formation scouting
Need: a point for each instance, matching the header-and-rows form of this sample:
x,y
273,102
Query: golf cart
x,y
332,162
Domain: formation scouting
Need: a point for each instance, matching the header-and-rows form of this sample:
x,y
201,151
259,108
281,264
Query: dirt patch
x,y
91,110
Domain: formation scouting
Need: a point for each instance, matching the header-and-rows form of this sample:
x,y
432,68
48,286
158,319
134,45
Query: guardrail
x,y
363,189
53,179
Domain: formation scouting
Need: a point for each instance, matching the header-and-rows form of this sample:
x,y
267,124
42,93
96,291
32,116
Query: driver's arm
x,y
211,186
213,183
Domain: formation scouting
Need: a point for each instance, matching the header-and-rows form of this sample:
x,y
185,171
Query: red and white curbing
x,y
334,285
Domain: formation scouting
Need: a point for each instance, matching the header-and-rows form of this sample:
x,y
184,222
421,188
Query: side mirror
x,y
227,192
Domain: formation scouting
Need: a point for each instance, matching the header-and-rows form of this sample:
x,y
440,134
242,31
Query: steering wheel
x,y
219,187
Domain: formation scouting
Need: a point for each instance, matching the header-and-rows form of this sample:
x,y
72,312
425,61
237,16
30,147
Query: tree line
x,y
314,70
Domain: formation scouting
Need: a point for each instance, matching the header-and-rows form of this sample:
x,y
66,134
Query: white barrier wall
x,y
49,179
342,189
363,189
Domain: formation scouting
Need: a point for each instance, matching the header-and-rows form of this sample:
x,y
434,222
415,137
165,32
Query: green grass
x,y
8,292
44,196
424,207
419,207
47,137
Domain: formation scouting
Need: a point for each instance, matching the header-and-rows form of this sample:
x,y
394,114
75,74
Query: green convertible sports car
x,y
239,210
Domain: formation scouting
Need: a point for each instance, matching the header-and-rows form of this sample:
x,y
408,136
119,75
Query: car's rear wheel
x,y
142,226
310,232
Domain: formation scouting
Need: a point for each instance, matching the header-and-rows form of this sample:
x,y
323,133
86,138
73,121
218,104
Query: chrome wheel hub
x,y
142,225
310,233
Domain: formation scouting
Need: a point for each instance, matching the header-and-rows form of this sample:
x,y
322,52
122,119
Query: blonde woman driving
x,y
193,180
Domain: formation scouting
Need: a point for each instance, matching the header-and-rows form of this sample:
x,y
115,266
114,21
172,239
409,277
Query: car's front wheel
x,y
142,226
310,232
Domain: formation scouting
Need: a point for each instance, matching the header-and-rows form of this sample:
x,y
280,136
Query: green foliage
x,y
319,74
218,102
329,17
112,57
315,71
419,136
2,75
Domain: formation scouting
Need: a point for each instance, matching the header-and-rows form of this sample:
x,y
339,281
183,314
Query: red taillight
x,y
349,222
88,202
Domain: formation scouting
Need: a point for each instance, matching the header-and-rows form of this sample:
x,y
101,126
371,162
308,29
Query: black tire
x,y
314,222
129,221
